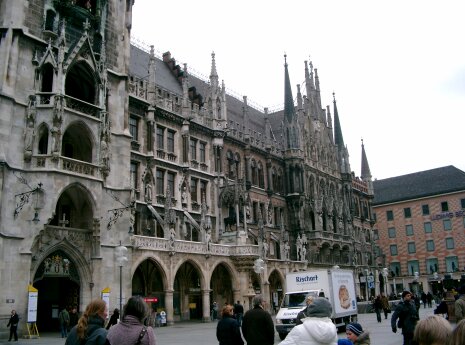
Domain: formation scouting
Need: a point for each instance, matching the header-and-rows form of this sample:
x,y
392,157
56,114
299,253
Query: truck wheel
x,y
282,335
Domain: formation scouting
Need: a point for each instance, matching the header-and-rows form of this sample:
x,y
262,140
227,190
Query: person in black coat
x,y
113,318
238,312
257,325
407,314
13,324
227,330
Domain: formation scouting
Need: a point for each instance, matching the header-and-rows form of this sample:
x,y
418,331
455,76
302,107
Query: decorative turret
x,y
366,174
290,118
343,153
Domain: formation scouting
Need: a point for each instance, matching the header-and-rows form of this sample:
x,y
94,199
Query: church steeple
x,y
214,74
289,110
366,173
290,117
338,139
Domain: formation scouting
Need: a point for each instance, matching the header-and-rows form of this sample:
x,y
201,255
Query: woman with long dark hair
x,y
131,329
90,327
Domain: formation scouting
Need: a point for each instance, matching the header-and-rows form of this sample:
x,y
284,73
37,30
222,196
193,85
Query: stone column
x,y
169,307
206,305
237,295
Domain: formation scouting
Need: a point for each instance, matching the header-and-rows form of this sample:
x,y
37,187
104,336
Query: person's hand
x,y
394,329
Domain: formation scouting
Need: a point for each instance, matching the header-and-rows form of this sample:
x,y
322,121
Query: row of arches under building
x,y
186,295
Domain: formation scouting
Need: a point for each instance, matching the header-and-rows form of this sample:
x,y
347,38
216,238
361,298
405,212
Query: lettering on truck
x,y
305,279
293,314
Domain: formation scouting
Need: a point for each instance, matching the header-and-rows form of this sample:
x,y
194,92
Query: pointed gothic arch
x,y
47,72
78,142
221,284
187,296
42,139
81,82
149,280
276,280
75,208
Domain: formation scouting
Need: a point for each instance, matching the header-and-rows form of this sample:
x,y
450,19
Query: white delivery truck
x,y
337,285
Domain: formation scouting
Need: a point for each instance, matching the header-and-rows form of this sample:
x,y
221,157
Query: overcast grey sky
x,y
397,67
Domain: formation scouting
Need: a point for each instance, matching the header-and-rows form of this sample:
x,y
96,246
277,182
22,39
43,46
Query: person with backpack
x,y
405,317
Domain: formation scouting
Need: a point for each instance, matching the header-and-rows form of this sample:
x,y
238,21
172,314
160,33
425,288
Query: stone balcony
x,y
180,246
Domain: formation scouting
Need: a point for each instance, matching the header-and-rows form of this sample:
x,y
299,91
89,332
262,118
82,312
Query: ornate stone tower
x,y
64,140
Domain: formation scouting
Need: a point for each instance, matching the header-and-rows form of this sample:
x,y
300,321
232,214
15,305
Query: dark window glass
x,y
160,138
170,141
444,206
133,130
160,182
407,212
425,210
193,149
202,149
170,182
409,230
389,215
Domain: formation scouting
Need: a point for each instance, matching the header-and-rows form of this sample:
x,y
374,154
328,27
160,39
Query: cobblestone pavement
x,y
195,333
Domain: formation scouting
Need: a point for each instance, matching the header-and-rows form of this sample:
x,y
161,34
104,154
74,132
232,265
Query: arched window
x,y
237,159
77,143
42,148
47,78
253,171
274,180
80,83
50,20
230,162
261,176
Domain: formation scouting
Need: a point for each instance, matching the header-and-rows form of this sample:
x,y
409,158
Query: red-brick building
x,y
420,223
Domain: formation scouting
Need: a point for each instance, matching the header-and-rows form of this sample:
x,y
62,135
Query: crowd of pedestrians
x,y
255,326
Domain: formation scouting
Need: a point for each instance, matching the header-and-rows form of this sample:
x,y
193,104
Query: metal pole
x,y
121,290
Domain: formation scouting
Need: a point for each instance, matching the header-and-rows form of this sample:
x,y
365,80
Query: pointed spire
x,y
338,139
289,110
366,174
214,73
299,98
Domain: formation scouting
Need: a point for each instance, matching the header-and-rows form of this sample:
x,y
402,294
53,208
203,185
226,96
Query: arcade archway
x,y
148,282
221,286
276,290
187,295
58,282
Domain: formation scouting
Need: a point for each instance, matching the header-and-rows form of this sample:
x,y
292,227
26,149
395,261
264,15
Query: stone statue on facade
x,y
148,192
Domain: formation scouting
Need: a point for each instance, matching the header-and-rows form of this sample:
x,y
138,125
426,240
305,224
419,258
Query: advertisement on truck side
x,y
342,283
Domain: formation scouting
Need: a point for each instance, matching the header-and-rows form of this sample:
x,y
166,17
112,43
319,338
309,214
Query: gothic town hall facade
x,y
104,144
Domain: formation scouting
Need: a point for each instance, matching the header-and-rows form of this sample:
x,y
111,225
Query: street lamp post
x,y
121,260
366,285
385,275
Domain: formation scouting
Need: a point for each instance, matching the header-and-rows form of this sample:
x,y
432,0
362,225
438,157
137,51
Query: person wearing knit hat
x,y
317,328
356,334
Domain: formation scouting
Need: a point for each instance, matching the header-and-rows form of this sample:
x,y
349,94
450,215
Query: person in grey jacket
x,y
131,329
